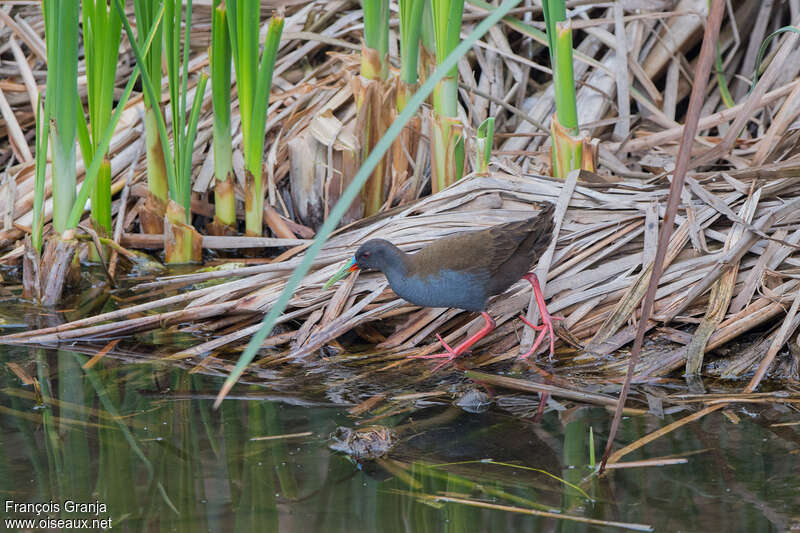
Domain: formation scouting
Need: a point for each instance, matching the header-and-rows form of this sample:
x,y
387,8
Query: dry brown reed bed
x,y
731,272
595,280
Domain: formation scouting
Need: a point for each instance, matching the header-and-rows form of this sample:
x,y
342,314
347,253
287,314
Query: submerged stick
x,y
535,512
529,386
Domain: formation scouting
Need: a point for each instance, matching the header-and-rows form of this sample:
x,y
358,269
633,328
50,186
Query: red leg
x,y
451,353
547,321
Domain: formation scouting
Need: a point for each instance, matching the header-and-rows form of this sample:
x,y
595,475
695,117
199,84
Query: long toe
x,y
546,328
448,357
547,322
539,339
530,324
462,348
449,354
432,356
547,319
443,363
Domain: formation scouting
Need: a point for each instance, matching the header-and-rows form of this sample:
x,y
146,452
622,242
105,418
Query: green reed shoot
x,y
484,140
148,16
39,177
101,37
376,38
447,142
564,132
220,58
178,171
410,30
253,81
566,108
183,133
61,35
447,15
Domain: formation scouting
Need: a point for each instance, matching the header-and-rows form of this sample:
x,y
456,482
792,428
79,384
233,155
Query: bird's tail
x,y
545,226
545,218
547,212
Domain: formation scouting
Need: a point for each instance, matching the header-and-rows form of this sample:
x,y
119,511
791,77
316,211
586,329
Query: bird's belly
x,y
448,288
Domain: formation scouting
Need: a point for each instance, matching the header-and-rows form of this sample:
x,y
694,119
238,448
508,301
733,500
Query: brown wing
x,y
494,254
537,233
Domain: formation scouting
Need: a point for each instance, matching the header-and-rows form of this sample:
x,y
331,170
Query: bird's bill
x,y
350,266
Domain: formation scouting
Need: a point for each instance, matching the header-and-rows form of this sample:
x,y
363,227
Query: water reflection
x,y
144,442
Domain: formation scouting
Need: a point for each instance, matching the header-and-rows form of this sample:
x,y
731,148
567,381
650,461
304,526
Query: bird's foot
x,y
546,328
462,348
547,319
448,356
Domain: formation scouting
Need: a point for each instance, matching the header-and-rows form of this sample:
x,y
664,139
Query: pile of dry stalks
x,y
730,270
731,267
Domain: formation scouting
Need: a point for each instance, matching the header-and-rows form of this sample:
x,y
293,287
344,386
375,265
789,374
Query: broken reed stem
x,y
721,293
681,166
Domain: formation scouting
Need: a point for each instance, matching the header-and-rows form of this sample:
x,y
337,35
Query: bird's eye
x,y
366,254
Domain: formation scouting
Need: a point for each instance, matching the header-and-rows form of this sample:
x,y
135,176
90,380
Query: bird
x,y
463,271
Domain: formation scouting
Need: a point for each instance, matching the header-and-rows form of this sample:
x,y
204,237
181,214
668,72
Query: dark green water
x,y
145,447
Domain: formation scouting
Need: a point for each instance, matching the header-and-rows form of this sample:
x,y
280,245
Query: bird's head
x,y
374,254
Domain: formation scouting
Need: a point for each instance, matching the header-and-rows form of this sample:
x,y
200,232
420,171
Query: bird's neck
x,y
398,266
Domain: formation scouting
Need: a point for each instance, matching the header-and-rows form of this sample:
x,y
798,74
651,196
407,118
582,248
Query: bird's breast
x,y
446,288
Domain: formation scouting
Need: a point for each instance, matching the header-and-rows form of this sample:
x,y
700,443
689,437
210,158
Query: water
x,y
143,445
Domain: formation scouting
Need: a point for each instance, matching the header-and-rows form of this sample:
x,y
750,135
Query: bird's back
x,y
464,270
518,251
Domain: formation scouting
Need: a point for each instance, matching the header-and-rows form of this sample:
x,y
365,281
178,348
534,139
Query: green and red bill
x,y
349,266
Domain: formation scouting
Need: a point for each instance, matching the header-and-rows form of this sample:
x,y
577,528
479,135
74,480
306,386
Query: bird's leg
x,y
542,405
547,321
451,353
